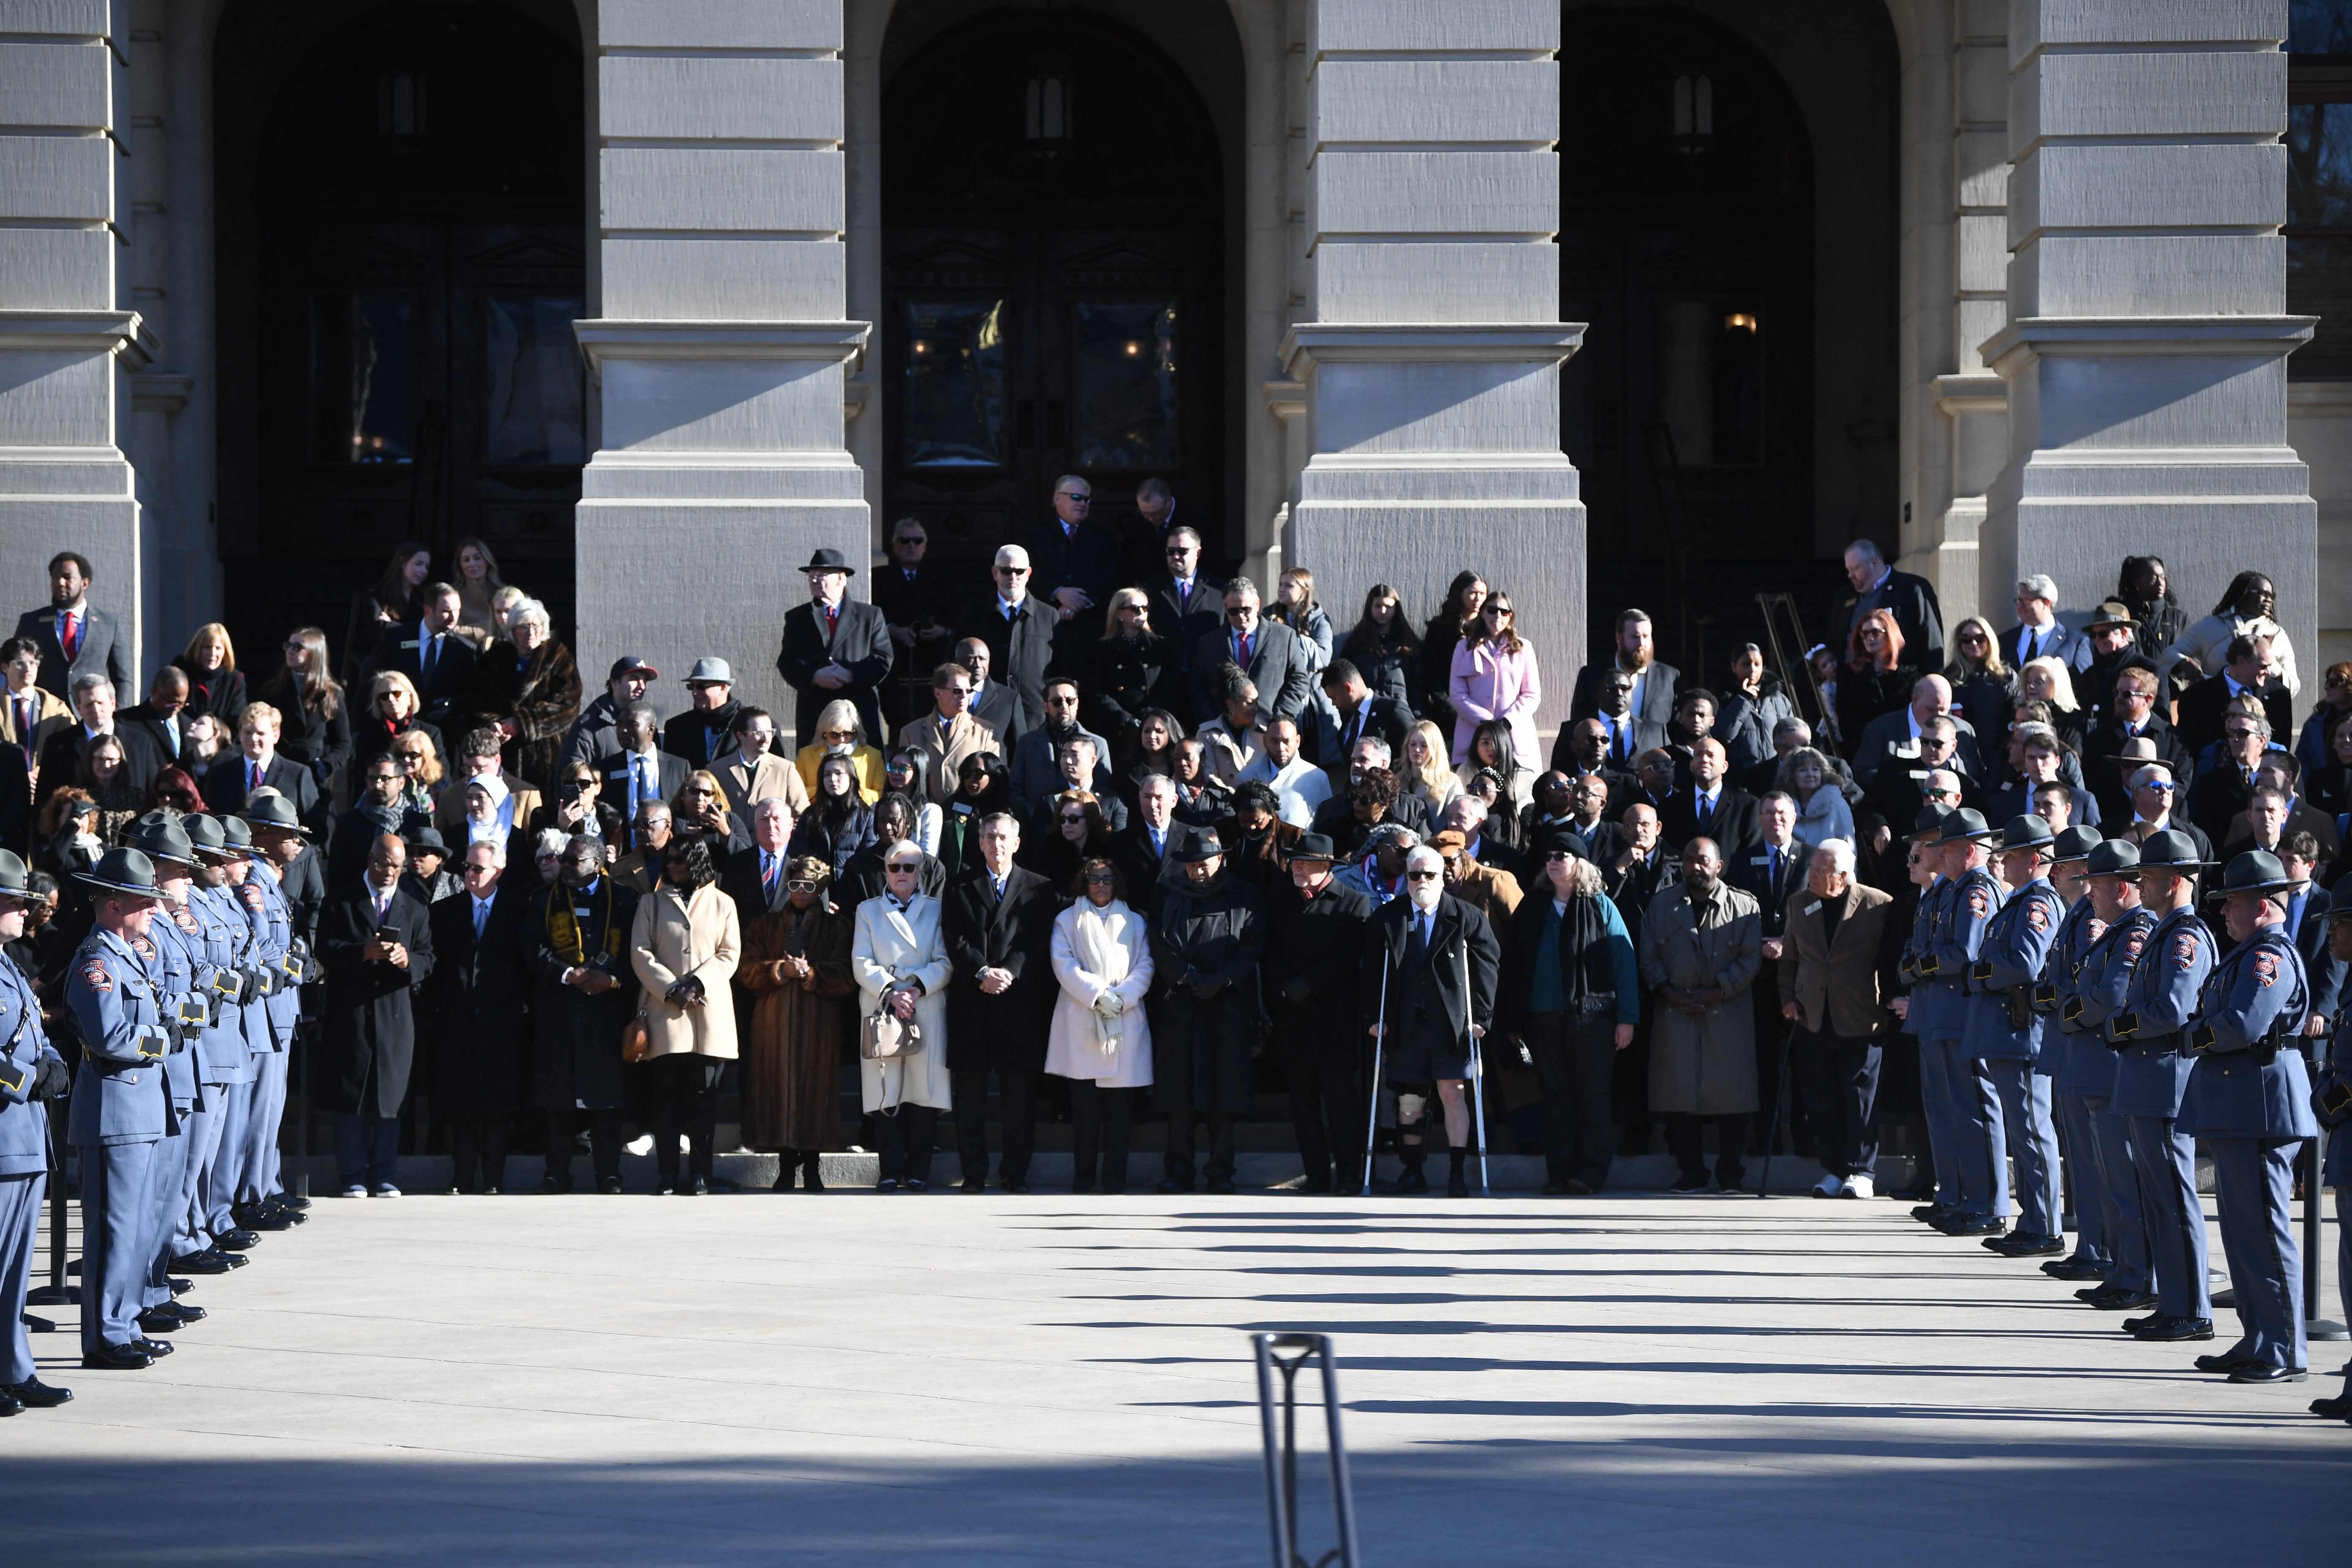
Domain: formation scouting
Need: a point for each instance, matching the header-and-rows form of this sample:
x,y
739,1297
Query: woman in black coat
x,y
1206,939
216,685
1123,671
1386,651
1313,947
1464,598
983,787
394,600
894,819
313,710
839,823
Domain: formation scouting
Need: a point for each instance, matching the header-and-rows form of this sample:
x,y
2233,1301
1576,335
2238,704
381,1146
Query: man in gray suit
x,y
1267,651
73,638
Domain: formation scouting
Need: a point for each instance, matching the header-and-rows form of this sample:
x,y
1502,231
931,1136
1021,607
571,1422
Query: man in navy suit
x,y
1654,684
229,783
1019,630
999,926
73,638
2038,633
1267,651
431,654
1187,604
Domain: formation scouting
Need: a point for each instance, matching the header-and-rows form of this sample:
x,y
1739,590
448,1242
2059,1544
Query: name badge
x,y
1814,908
1759,859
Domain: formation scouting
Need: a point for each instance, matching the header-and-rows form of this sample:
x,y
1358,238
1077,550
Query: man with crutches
x,y
1431,964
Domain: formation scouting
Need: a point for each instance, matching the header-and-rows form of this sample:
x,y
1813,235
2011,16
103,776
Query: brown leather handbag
x,y
637,1039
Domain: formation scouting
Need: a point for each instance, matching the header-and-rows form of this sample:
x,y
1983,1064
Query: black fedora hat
x,y
2114,858
1965,823
16,882
2340,901
274,811
2076,843
2256,871
425,838
1202,845
123,872
2027,832
159,836
2171,850
1313,847
830,560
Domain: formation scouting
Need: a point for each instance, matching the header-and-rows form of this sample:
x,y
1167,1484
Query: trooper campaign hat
x,y
2171,850
2256,871
239,834
210,839
123,872
2076,844
274,811
16,882
2114,858
1930,824
159,836
2027,832
1966,823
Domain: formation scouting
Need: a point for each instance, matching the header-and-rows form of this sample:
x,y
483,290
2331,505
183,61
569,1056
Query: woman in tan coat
x,y
796,960
685,945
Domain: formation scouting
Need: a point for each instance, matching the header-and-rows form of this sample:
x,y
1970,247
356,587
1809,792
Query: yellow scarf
x,y
563,927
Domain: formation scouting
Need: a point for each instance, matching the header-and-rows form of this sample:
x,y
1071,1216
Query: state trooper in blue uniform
x,y
269,1019
2331,1099
1922,1006
172,961
31,1072
226,979
121,1105
2078,929
2006,1034
1976,1119
2248,1103
276,833
2151,1079
2100,982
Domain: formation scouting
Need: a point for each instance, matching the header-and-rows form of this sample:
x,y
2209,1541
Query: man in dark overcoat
x,y
1419,953
575,944
1315,940
479,994
375,941
834,647
998,925
1206,939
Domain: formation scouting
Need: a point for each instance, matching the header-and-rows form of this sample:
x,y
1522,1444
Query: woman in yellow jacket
x,y
685,946
840,729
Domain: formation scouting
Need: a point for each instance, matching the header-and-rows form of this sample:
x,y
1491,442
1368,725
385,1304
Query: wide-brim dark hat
x,y
2256,871
159,836
1930,824
239,834
2339,899
1202,845
2027,832
274,811
208,837
123,873
2111,612
2139,752
2114,858
425,838
2076,844
16,881
830,560
1966,823
2171,850
1318,846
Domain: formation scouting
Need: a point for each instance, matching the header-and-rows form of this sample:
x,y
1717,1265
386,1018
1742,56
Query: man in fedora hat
x,y
1314,934
2112,890
2250,1105
1980,1169
121,1105
2007,1034
2112,632
2148,1029
1207,937
834,647
31,1072
707,728
2332,1100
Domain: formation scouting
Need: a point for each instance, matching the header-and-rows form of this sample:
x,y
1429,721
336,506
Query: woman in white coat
x,y
901,961
1100,1040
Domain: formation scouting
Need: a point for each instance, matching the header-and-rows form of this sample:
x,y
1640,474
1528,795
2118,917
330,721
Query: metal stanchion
x,y
2315,1326
1282,1448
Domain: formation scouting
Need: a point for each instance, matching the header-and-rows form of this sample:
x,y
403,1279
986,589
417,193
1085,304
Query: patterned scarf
x,y
563,927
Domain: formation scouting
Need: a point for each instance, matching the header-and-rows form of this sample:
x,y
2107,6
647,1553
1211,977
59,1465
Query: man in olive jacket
x,y
1702,947
1206,938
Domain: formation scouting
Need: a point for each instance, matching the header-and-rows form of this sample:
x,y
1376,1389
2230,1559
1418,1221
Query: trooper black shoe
x,y
37,1394
2230,1360
160,1321
2110,1300
1929,1213
116,1358
179,1287
156,1348
235,1241
253,1216
2263,1373
2166,1331
1974,1224
2074,1269
2335,1409
288,1200
2024,1244
205,1262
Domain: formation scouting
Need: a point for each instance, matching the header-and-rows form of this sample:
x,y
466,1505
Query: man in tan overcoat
x,y
1702,946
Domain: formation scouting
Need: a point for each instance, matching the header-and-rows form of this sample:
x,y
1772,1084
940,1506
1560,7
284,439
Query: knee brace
x,y
1409,1109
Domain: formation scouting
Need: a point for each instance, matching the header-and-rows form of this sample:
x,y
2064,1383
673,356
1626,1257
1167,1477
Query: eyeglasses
x,y
1498,609
2158,786
1240,612
1099,878
1013,571
908,867
1421,876
1067,819
1559,854
2238,731
909,539
800,885
1074,496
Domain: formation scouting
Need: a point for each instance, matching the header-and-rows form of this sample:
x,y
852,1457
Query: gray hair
x,y
1423,855
1841,853
90,680
774,805
993,817
1471,805
1153,783
1584,877
1378,745
525,613
903,846
2041,585
550,841
1867,549
1793,726
495,846
1243,588
2141,775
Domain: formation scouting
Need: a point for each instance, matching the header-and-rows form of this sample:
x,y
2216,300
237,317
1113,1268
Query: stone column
x,y
2145,353
722,350
1429,352
67,347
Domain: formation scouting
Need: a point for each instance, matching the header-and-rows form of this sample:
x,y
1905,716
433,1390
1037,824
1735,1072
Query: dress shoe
x,y
783,1182
2167,1330
916,1184
1458,1185
154,1348
288,1200
188,1310
1688,1184
205,1262
2267,1373
1974,1224
10,1404
1020,1189
2230,1360
2076,1268
235,1260
665,1186
116,1358
1732,1181
1413,1179
237,1240
1555,1189
1929,1213
697,1188
1171,1185
610,1185
159,1320
2336,1409
1223,1188
554,1185
179,1287
253,1216
974,1185
1579,1188
2025,1243
886,1184
38,1394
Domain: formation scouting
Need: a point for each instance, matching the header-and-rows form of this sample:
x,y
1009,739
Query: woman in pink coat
x,y
1494,678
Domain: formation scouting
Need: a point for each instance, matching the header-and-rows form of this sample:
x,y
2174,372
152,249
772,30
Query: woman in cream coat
x,y
685,945
1100,1040
898,953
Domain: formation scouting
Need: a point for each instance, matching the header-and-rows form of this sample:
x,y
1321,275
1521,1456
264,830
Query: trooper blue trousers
x,y
20,1238
1981,1171
2078,1147
2166,1160
224,1173
2253,1189
203,1135
2123,1215
118,1212
2031,1140
256,1176
1936,1108
166,1189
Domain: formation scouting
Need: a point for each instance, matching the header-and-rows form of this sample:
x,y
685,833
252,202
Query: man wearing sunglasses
x,y
1018,630
1267,651
1076,567
2156,802
1186,605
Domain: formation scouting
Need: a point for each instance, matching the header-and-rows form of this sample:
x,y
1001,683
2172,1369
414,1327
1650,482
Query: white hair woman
x,y
900,958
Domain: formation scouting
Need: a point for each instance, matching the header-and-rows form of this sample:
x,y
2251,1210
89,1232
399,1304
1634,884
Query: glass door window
x,y
953,398
1126,377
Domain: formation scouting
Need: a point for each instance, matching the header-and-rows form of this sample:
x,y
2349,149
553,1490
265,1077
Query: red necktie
x,y
831,620
1244,660
253,770
72,641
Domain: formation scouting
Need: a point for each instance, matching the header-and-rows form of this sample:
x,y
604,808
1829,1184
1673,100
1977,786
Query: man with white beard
x,y
1431,965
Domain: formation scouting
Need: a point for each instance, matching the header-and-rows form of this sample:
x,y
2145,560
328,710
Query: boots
x,y
786,1161
1456,1185
1412,1151
811,1178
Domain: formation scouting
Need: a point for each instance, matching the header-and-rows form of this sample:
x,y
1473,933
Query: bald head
x,y
1930,696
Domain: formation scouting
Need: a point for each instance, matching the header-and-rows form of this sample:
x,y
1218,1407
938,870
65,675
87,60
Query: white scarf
x,y
1096,936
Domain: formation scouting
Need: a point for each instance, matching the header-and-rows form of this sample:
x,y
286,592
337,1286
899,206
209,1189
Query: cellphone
x,y
387,936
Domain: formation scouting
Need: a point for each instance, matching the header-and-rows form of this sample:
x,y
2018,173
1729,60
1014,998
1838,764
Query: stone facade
x,y
2094,336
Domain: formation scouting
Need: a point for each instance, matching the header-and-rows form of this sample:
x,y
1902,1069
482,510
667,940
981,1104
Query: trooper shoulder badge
x,y
95,974
2184,951
2266,969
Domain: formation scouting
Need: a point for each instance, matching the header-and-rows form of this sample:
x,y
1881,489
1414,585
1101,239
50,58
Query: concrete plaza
x,y
953,1381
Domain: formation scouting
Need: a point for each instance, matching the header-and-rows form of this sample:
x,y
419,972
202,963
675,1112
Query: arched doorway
x,y
418,224
1686,245
1052,262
